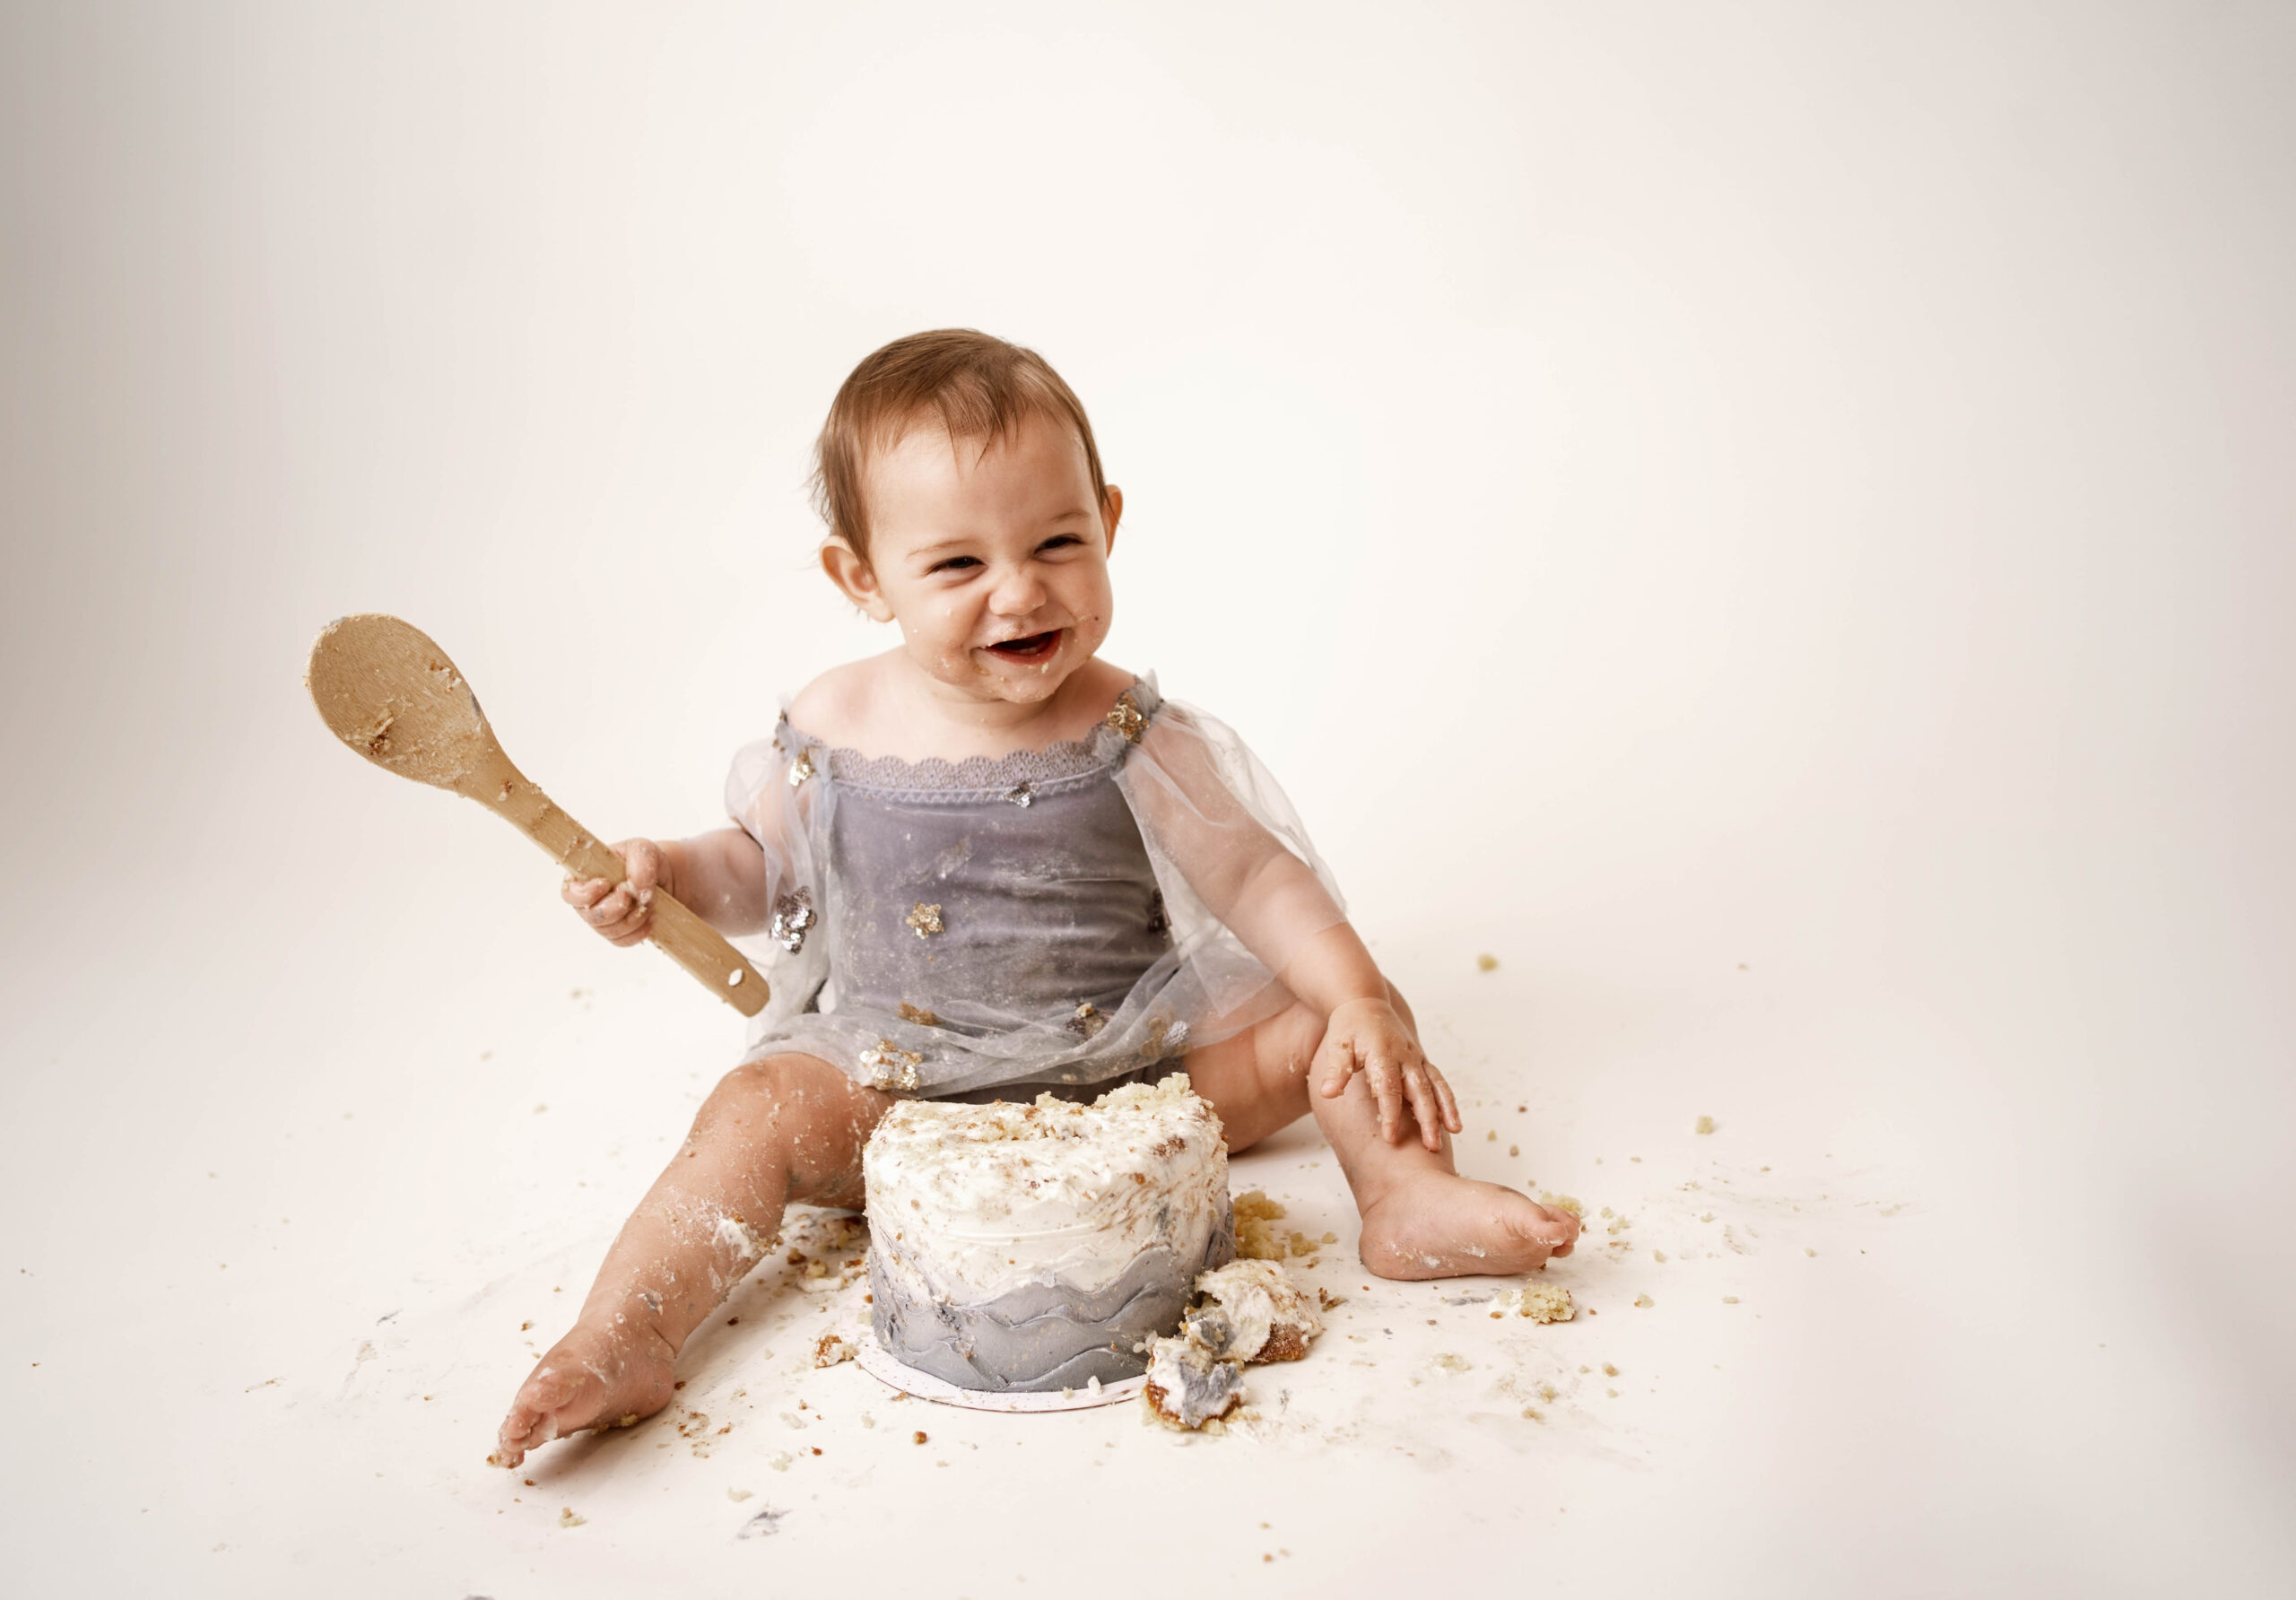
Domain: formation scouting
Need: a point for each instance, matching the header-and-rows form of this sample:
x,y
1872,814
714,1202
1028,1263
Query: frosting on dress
x,y
1047,919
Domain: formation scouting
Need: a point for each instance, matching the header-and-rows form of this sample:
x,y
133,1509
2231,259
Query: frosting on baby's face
x,y
993,563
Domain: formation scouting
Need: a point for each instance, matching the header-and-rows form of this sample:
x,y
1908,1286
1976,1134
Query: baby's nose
x,y
1018,593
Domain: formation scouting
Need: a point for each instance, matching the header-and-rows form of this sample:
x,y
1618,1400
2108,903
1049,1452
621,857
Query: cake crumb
x,y
1541,1302
918,1437
1533,1414
1570,1203
1705,1125
1645,1301
1807,1251
1609,1371
831,1350
737,1495
1659,1257
1255,1239
1729,1299
568,1517
1486,963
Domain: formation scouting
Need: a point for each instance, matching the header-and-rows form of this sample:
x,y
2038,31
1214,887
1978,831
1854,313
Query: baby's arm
x,y
1274,902
720,876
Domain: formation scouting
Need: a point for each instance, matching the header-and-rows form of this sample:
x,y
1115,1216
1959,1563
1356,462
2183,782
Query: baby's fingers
x,y
582,893
1334,1065
1425,1110
1386,1079
1448,1101
641,859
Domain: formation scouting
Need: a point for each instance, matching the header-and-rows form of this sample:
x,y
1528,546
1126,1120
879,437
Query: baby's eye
x,y
954,564
1058,540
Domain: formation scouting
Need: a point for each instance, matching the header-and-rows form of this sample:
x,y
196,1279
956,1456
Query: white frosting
x,y
967,1203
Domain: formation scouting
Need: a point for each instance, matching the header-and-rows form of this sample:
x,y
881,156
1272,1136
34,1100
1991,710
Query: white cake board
x,y
878,1362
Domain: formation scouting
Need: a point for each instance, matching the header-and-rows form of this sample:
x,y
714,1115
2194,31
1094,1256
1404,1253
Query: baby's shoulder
x,y
831,707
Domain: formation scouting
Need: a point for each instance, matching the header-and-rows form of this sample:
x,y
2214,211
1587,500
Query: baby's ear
x,y
1112,513
854,578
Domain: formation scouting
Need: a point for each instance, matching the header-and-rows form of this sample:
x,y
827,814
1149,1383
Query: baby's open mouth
x,y
1037,647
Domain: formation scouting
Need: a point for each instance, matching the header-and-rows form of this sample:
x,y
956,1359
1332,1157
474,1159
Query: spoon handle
x,y
679,934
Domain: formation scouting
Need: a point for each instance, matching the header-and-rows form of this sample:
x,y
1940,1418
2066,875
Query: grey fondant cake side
x,y
1042,1336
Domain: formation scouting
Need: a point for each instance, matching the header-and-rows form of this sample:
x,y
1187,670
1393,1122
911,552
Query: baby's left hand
x,y
1367,1036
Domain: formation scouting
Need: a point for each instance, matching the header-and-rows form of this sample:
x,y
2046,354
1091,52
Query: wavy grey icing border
x,y
1044,1335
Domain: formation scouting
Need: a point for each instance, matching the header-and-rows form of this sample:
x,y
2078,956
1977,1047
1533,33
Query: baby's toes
x,y
533,1415
1539,1232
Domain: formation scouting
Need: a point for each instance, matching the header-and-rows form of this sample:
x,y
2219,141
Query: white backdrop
x,y
1780,485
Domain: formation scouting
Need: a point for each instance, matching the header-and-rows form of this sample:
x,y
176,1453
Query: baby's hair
x,y
982,387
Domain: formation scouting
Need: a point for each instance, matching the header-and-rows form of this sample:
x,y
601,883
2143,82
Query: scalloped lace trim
x,y
1071,758
1009,777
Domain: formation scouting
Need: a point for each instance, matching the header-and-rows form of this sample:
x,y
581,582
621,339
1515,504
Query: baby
x,y
993,865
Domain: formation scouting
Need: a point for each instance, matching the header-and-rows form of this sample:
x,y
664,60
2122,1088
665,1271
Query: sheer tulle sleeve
x,y
786,818
1243,886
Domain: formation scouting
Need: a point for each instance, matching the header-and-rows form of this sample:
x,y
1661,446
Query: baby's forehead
x,y
925,434
926,457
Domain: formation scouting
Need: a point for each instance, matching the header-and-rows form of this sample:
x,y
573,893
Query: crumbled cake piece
x,y
1541,1302
1645,1301
1705,1125
1187,1386
1256,1238
1253,1312
831,1350
1570,1203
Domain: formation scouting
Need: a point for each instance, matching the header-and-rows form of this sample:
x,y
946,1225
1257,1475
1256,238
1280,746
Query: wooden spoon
x,y
385,690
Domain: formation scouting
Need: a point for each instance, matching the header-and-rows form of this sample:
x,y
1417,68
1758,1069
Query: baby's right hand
x,y
624,911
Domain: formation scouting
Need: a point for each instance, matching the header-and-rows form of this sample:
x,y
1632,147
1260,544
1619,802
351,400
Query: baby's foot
x,y
1440,1225
595,1377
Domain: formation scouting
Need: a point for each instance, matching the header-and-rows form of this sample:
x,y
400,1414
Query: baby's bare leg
x,y
789,1127
1421,1219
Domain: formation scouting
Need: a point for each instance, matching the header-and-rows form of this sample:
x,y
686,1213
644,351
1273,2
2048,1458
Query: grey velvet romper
x,y
1041,920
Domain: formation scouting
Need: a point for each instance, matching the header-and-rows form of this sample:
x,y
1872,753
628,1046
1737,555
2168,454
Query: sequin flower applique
x,y
924,920
1126,717
793,914
891,1067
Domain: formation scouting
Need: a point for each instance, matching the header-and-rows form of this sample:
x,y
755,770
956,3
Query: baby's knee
x,y
1285,1048
754,1091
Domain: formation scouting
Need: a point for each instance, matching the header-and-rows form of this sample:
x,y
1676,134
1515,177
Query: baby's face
x,y
994,565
